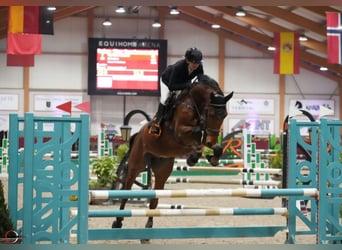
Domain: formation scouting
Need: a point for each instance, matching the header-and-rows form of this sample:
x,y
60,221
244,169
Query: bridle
x,y
203,118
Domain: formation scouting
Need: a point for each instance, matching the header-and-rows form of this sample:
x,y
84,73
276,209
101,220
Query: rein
x,y
203,118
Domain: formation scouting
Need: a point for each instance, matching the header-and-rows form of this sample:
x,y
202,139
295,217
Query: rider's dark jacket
x,y
176,76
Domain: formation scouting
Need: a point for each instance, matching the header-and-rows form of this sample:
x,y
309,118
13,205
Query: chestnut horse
x,y
193,121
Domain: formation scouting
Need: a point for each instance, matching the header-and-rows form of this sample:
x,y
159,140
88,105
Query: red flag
x,y
24,44
84,106
20,60
65,107
334,37
286,55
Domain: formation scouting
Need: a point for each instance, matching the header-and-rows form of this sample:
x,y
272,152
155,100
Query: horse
x,y
193,121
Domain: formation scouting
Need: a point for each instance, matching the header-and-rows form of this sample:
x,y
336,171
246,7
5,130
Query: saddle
x,y
170,106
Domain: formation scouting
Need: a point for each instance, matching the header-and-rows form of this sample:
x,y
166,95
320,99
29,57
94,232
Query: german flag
x,y
30,20
286,55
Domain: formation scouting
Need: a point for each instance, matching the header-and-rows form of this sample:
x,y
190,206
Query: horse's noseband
x,y
220,111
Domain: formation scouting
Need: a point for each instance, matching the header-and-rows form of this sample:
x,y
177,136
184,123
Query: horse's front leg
x,y
217,153
193,157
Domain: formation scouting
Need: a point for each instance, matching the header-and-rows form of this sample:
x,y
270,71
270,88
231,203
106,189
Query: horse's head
x,y
215,113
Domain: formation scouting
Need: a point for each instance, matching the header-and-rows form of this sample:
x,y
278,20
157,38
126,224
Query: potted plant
x,y
105,170
5,220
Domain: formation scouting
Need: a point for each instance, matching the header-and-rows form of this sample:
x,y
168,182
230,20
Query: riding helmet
x,y
194,55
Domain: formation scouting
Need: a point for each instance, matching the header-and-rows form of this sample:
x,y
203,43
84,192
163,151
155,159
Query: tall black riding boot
x,y
155,126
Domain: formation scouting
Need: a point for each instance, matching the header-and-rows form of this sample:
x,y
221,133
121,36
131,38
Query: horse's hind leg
x,y
161,174
118,222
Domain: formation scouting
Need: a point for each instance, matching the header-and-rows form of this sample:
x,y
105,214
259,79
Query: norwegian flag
x,y
334,37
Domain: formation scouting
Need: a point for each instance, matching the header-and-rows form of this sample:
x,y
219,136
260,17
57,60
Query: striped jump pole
x,y
238,192
205,162
184,212
234,170
215,181
178,206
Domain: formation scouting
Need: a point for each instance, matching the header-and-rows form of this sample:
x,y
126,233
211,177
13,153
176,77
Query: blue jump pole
x,y
238,192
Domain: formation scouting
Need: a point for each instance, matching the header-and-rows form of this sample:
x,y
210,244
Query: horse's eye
x,y
220,112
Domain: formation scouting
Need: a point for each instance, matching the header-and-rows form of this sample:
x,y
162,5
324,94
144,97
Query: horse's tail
x,y
125,158
131,141
122,168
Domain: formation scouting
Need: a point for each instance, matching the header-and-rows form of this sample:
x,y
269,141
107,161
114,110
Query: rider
x,y
177,76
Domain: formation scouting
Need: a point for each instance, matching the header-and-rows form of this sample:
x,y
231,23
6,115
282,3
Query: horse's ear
x,y
217,99
228,97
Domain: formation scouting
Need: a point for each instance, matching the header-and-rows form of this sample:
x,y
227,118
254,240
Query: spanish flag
x,y
286,55
30,20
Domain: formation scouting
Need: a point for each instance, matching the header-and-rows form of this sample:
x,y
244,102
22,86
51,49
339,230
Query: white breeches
x,y
164,92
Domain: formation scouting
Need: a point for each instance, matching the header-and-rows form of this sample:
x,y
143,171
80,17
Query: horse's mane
x,y
207,80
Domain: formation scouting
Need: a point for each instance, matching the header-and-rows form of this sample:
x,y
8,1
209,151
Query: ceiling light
x,y
174,11
215,26
120,9
271,48
240,12
303,38
322,68
156,24
107,22
51,8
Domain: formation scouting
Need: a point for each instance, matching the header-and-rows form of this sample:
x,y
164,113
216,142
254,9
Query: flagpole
x,y
281,98
26,83
124,107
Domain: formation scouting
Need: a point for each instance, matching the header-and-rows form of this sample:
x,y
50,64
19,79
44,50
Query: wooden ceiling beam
x,y
233,27
261,39
226,34
240,40
65,12
293,18
320,10
265,24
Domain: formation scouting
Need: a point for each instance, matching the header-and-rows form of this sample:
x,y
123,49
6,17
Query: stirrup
x,y
155,130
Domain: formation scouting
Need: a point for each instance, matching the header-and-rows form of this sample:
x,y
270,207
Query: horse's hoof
x,y
213,160
217,151
145,241
191,160
117,224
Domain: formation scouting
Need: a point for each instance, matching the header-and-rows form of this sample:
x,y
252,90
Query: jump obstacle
x,y
254,174
51,193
